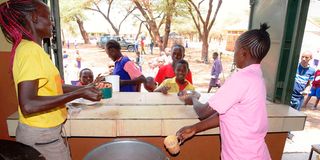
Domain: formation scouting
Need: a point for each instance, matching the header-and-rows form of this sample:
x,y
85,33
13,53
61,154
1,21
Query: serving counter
x,y
152,116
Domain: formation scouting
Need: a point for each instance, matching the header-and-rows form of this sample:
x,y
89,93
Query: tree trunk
x,y
167,28
152,24
155,31
166,33
139,30
83,32
205,47
206,25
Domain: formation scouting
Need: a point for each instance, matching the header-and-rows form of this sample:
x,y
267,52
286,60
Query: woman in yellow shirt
x,y
41,95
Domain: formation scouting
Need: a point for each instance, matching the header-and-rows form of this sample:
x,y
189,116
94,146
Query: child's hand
x,y
99,78
164,89
185,133
188,95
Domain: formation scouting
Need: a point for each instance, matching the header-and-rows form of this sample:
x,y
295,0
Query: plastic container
x,y
106,93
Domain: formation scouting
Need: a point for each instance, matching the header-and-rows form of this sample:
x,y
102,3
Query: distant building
x,y
175,38
233,32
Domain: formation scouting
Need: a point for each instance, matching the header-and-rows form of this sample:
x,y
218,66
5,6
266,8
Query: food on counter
x,y
104,85
172,144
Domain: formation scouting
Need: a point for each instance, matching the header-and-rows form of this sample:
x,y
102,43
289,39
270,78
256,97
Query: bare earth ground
x,y
96,59
296,149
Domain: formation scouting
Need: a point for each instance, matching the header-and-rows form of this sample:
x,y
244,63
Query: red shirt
x,y
167,71
182,86
316,81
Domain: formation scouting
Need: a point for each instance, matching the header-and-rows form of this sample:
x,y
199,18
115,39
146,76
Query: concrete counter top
x,y
152,114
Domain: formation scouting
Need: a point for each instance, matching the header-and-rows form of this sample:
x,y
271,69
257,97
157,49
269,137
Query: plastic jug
x,y
115,81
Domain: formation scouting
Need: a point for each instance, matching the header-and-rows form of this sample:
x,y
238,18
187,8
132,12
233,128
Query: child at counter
x,y
85,77
177,83
238,108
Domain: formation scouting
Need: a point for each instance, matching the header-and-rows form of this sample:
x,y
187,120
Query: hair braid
x,y
257,41
13,22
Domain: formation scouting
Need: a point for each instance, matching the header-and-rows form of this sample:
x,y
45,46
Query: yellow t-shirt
x,y
174,87
31,62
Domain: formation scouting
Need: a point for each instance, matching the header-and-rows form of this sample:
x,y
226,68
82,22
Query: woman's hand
x,y
91,93
185,133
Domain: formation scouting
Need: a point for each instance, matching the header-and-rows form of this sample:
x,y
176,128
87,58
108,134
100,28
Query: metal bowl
x,y
126,150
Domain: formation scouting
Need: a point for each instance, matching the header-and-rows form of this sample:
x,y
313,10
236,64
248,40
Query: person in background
x,y
238,108
75,44
150,84
316,58
130,75
65,54
167,56
314,91
304,75
167,71
151,46
136,45
40,93
85,77
215,72
177,83
139,60
78,59
142,46
68,44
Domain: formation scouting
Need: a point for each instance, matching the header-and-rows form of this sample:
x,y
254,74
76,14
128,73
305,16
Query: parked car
x,y
123,43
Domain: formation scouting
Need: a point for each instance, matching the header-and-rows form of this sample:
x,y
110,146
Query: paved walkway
x,y
299,147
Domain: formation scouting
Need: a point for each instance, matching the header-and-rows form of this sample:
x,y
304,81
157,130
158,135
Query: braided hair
x,y
257,41
13,22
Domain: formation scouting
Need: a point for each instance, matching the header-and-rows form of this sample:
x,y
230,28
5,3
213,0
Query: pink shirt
x,y
241,104
132,69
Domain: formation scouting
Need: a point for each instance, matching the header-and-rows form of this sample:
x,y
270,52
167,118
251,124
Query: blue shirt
x,y
303,75
119,70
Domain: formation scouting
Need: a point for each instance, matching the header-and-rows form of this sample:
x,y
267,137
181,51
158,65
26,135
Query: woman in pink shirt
x,y
239,106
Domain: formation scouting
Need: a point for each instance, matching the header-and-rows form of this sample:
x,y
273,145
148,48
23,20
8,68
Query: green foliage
x,y
69,10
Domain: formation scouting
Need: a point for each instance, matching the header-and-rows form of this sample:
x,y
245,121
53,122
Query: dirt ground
x,y
96,59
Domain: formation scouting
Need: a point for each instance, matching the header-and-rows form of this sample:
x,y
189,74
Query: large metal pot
x,y
18,151
126,150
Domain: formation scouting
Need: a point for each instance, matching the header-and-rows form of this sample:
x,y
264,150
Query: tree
x,y
93,5
203,25
165,10
169,11
71,12
145,7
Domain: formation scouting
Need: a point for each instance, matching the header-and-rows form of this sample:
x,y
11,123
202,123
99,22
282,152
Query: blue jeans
x,y
296,102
